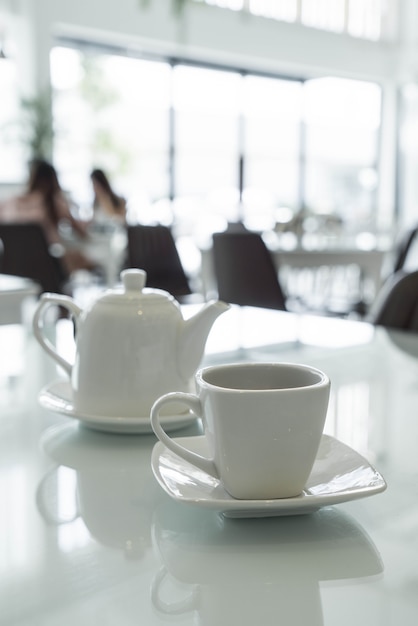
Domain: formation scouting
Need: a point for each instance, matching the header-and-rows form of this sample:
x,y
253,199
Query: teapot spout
x,y
194,335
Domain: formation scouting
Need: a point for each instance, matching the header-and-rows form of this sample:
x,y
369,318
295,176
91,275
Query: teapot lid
x,y
133,289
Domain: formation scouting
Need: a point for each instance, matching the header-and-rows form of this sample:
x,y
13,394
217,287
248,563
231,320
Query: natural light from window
x,y
342,122
12,130
182,141
359,18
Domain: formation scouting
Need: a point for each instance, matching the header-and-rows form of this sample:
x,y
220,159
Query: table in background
x,y
15,292
89,538
106,245
317,276
330,274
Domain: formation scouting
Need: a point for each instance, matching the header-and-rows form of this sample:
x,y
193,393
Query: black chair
x,y
153,249
245,271
26,253
396,305
404,248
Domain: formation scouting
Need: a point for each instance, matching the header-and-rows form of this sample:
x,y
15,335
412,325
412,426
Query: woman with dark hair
x,y
107,204
44,201
43,182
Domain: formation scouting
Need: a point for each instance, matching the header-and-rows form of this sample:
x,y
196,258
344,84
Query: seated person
x,y
45,202
108,206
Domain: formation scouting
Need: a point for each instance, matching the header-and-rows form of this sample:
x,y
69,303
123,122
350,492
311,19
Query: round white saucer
x,y
57,397
339,474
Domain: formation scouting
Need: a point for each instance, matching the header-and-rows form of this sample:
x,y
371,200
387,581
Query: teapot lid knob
x,y
133,279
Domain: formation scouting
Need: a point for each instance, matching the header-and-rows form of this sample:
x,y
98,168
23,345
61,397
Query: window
x,y
181,140
359,18
271,114
111,112
342,122
408,152
206,106
12,130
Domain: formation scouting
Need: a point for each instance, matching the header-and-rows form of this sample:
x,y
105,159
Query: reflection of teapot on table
x,y
115,491
256,570
132,346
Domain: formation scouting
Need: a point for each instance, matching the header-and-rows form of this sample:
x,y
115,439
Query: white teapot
x,y
132,346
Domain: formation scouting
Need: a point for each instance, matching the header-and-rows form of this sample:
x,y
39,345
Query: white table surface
x,y
88,537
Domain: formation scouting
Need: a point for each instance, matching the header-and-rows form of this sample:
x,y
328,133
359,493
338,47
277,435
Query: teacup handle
x,y
47,300
177,608
194,404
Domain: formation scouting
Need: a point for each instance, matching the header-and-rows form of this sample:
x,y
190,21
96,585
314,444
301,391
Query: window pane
x,y
325,14
359,18
408,146
272,116
342,123
365,18
286,10
12,133
235,5
206,105
112,112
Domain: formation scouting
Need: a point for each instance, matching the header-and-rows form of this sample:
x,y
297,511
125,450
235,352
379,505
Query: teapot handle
x,y
47,300
42,500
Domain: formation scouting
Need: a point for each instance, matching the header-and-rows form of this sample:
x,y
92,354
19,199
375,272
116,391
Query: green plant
x,y
101,98
94,88
36,125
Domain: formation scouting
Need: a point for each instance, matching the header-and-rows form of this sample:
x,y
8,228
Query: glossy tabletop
x,y
89,537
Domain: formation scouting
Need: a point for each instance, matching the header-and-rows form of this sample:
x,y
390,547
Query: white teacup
x,y
263,423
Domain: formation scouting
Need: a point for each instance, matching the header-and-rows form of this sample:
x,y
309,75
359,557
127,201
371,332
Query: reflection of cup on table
x,y
263,423
265,571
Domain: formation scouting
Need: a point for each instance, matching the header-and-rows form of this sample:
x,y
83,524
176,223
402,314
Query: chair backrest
x,y
404,248
396,305
153,249
245,272
25,252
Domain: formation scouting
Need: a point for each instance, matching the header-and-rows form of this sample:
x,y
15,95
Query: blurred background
x,y
204,112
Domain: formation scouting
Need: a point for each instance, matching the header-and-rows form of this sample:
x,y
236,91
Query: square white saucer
x,y
339,474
